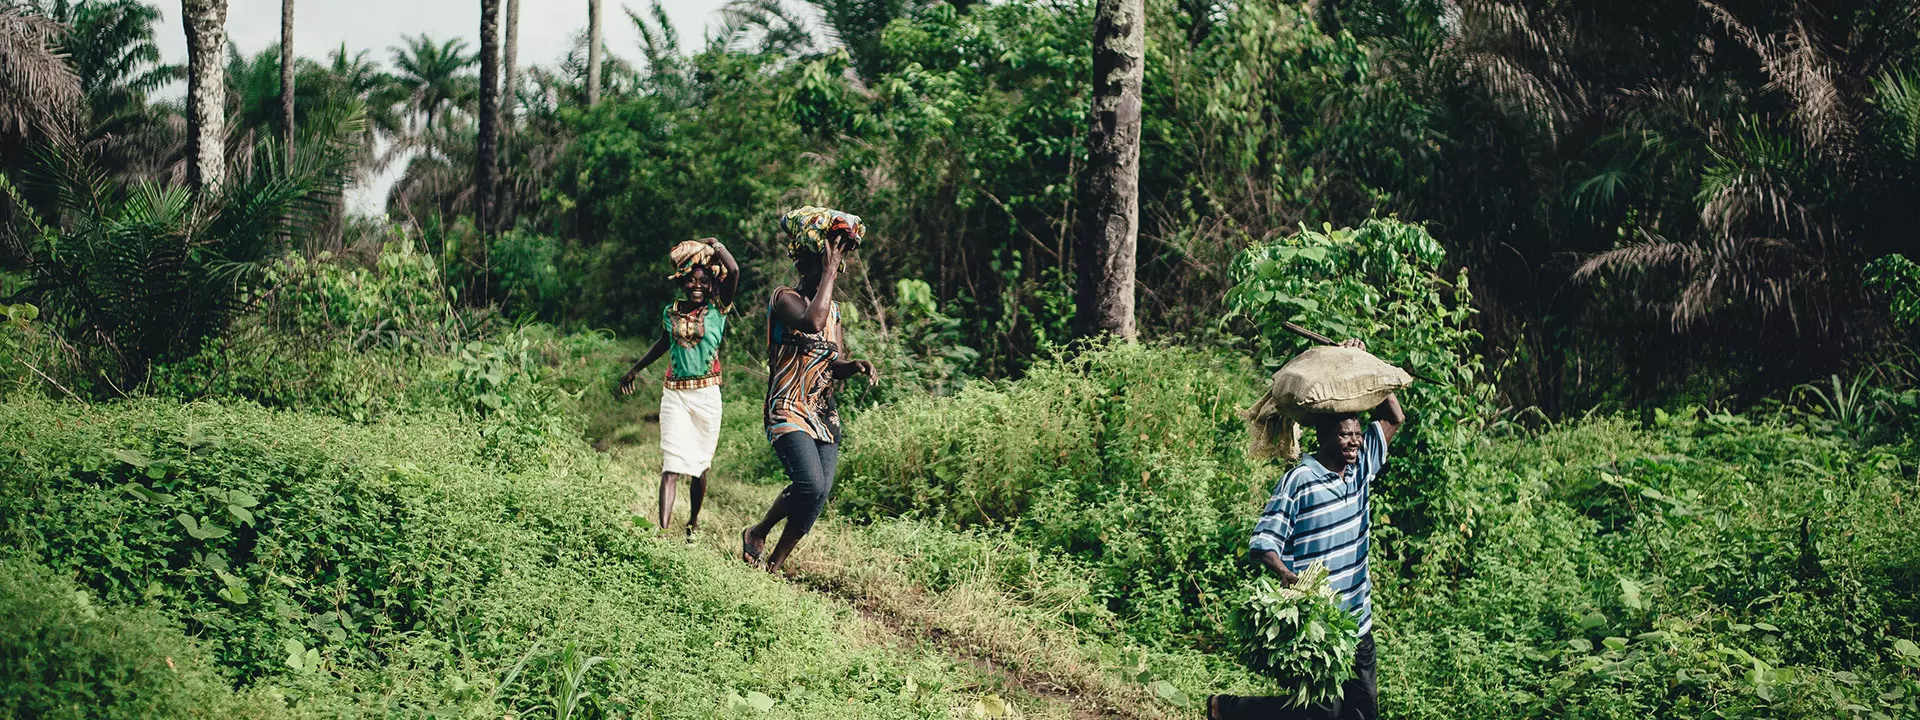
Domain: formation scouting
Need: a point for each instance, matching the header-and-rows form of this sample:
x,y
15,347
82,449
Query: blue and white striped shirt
x,y
1318,516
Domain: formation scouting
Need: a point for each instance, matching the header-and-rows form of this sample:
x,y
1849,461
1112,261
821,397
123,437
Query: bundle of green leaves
x,y
1299,635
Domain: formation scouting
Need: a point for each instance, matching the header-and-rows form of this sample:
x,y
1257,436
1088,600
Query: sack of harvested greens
x,y
1324,379
1299,636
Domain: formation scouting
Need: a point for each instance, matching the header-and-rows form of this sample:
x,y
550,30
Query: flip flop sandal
x,y
746,549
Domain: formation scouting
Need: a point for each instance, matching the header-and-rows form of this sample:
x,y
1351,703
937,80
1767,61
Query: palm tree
x,y
286,75
110,46
593,52
779,30
136,273
205,22
487,156
510,95
433,75
1110,208
1773,212
38,91
358,76
510,60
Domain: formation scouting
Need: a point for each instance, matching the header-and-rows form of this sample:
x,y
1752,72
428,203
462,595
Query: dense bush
x,y
65,656
1129,456
1388,283
407,565
1749,567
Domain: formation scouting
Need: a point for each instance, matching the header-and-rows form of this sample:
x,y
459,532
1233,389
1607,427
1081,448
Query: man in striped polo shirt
x,y
1318,514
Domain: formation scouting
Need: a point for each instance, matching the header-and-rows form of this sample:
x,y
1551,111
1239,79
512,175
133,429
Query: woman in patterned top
x,y
690,333
805,364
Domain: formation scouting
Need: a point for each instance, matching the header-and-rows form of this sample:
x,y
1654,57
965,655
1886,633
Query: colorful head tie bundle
x,y
690,254
807,229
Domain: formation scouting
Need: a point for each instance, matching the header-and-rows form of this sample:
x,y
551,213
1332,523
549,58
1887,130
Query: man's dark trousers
x,y
1360,702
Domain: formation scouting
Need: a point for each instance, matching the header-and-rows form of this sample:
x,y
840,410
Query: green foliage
x,y
1750,566
916,347
531,274
1384,282
29,356
66,656
134,274
1897,279
412,566
400,302
1300,635
1126,456
1722,562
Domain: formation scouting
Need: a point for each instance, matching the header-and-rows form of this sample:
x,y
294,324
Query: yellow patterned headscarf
x,y
690,254
807,229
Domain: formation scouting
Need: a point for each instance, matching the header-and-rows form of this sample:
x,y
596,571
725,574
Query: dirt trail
x,y
903,630
731,505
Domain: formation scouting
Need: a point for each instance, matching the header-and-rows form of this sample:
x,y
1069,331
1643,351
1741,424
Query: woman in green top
x,y
690,331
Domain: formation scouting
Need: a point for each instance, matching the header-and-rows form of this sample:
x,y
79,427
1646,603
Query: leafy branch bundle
x,y
1299,636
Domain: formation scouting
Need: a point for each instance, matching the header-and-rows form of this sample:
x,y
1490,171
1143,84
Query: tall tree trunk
x,y
510,97
593,52
1110,191
510,61
206,26
286,75
488,145
286,110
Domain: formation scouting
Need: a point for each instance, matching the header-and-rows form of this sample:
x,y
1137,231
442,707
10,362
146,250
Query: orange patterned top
x,y
800,382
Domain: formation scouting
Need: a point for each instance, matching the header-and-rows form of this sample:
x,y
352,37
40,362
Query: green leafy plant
x,y
1897,279
137,273
1299,635
65,655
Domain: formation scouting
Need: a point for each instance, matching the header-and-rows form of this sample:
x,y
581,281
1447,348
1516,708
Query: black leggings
x,y
810,465
1360,702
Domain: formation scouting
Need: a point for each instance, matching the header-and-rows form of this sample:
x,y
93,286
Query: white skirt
x,y
689,429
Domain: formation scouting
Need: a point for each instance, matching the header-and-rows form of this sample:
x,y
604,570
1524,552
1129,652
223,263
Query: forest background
x,y
1661,255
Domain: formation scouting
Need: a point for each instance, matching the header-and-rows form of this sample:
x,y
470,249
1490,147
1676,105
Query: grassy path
x,y
1044,667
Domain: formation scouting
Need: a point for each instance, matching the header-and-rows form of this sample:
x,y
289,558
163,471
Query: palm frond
x,y
1797,68
38,91
1896,95
767,25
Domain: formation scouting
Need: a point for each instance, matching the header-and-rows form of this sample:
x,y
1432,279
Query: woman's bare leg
x,y
668,483
696,493
754,538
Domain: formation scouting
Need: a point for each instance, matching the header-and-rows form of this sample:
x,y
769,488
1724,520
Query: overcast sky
x,y
319,26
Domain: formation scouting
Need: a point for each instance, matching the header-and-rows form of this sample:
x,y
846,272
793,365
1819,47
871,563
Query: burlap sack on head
x,y
1325,379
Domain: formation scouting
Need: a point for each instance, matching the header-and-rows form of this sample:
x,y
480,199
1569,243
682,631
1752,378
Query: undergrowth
x,y
406,566
1705,564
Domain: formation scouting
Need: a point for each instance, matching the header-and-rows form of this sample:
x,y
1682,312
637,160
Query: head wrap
x,y
807,228
690,254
